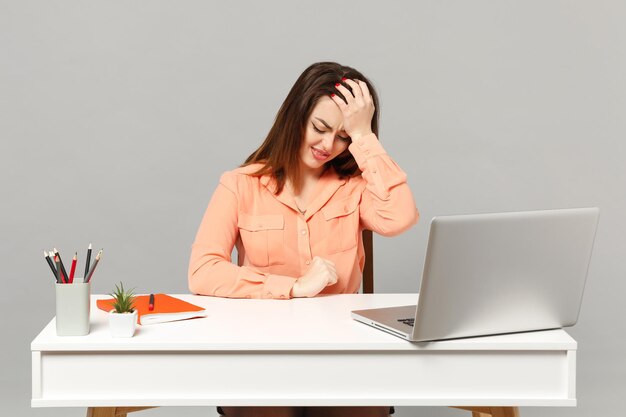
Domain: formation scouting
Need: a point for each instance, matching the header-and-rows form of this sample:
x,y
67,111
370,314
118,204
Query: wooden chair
x,y
368,288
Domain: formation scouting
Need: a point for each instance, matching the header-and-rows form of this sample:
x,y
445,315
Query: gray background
x,y
117,118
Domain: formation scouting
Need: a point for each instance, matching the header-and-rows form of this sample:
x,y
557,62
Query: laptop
x,y
488,274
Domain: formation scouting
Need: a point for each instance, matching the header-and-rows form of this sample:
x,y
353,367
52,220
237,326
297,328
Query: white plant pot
x,y
122,325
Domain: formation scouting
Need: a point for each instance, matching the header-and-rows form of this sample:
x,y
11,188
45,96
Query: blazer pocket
x,y
342,224
262,236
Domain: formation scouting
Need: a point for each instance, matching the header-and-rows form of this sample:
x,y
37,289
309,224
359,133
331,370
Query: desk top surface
x,y
321,323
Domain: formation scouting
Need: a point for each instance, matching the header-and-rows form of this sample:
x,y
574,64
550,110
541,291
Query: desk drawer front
x,y
304,378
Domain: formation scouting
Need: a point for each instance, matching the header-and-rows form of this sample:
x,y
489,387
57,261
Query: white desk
x,y
305,352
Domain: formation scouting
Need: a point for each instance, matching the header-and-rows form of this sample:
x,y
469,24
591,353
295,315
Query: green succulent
x,y
124,299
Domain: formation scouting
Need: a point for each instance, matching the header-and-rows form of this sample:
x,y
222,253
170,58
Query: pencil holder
x,y
72,308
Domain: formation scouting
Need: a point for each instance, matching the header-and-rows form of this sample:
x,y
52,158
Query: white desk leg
x,y
112,411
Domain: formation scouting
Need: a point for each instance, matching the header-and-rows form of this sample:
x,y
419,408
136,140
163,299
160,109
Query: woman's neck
x,y
308,177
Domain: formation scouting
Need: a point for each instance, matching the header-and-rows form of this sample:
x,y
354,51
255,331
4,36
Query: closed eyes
x,y
321,131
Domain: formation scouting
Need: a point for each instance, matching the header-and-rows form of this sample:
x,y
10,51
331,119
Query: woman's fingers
x,y
357,91
346,93
331,270
339,102
367,96
325,263
359,109
364,89
360,91
330,264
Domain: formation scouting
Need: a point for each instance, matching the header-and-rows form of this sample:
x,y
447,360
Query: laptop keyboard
x,y
410,321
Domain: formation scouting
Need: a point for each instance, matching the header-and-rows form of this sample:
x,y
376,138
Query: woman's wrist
x,y
358,135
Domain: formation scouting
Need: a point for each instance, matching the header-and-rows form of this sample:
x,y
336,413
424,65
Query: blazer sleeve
x,y
211,271
387,204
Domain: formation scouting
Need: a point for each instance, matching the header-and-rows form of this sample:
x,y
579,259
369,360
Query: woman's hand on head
x,y
321,274
359,109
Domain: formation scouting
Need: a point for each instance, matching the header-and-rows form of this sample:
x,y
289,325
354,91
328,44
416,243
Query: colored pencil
x,y
56,261
54,271
65,276
73,268
93,267
87,263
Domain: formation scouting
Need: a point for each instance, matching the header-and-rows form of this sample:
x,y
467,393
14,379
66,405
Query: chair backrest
x,y
368,269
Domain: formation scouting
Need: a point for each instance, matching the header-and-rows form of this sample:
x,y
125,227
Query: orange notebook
x,y
166,308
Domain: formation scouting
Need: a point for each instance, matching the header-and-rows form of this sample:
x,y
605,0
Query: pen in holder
x,y
72,308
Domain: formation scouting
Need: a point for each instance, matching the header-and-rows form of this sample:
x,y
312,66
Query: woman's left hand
x,y
358,112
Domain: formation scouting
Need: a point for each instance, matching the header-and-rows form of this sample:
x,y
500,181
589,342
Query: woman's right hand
x,y
321,274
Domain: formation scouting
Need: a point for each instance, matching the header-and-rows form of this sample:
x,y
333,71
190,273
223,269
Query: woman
x,y
297,207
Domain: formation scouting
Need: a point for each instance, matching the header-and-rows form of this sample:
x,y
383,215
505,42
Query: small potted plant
x,y
123,317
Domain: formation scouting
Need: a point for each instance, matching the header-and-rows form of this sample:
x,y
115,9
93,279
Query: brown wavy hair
x,y
280,151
